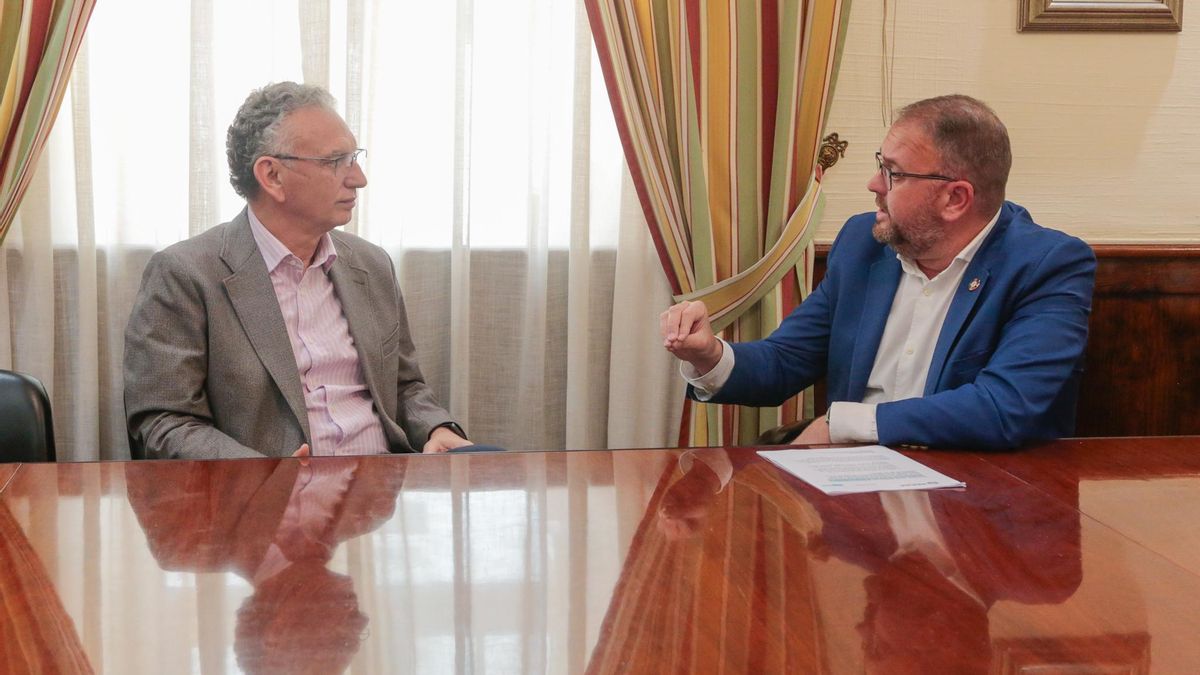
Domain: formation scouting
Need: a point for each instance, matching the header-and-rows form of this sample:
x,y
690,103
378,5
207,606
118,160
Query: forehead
x,y
907,145
317,131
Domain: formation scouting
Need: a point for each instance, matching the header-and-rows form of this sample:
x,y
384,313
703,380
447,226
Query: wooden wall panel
x,y
1143,356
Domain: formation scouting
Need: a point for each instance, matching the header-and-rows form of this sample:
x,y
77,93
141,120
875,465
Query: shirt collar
x,y
274,252
972,248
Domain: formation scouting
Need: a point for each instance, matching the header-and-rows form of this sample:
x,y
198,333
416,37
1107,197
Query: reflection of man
x,y
936,560
304,619
276,334
277,524
683,511
917,621
946,318
939,560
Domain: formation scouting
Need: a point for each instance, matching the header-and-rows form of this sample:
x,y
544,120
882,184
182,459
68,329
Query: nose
x,y
356,177
877,184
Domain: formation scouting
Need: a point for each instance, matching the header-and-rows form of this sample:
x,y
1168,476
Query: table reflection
x,y
939,560
275,524
1129,484
632,561
731,555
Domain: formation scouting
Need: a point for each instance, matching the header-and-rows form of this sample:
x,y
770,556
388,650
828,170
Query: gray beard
x,y
910,242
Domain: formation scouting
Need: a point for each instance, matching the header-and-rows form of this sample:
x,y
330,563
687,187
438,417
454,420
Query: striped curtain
x,y
38,43
721,108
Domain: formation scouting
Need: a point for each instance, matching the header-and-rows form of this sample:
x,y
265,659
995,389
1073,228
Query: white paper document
x,y
872,468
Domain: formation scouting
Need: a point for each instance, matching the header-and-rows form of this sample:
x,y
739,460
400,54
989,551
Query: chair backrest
x,y
26,426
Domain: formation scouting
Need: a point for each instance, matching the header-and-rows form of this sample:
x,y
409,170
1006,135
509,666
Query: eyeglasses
x,y
338,163
889,175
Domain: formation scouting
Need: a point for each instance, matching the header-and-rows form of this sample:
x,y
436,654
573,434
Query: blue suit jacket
x,y
1006,366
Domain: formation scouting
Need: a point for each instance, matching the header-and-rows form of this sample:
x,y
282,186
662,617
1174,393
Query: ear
x,y
960,200
270,178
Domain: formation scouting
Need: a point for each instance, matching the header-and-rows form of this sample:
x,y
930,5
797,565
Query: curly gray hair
x,y
255,128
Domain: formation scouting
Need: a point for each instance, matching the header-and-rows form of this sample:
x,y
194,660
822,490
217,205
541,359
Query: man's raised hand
x,y
687,333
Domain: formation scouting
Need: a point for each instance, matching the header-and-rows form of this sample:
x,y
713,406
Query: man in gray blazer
x,y
275,334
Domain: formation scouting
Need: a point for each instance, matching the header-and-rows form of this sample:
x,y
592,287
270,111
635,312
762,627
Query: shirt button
x,y
925,292
908,351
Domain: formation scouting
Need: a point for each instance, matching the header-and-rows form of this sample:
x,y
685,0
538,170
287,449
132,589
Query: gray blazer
x,y
209,369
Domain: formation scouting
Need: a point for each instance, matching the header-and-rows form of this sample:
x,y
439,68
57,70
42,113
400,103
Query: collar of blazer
x,y
253,298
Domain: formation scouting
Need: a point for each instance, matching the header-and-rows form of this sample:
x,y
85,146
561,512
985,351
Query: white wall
x,y
1105,127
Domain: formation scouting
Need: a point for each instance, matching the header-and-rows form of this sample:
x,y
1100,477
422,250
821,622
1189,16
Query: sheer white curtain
x,y
496,182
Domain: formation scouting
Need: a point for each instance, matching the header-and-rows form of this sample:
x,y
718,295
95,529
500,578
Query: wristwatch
x,y
452,426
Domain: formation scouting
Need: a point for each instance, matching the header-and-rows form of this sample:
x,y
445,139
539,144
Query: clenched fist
x,y
687,334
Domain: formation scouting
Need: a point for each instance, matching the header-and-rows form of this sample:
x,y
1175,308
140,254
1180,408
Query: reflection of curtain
x,y
37,633
499,192
499,538
721,107
705,604
38,43
540,536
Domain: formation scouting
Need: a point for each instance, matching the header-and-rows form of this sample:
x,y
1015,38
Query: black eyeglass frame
x,y
350,159
889,174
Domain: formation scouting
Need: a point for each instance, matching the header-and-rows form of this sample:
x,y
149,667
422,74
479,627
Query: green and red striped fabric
x,y
38,43
721,108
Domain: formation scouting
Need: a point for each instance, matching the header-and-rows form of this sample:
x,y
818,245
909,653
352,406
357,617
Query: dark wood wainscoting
x,y
1143,355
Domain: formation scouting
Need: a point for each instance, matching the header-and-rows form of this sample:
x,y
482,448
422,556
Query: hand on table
x,y
443,439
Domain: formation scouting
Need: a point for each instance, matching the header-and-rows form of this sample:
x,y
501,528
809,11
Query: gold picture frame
x,y
1095,15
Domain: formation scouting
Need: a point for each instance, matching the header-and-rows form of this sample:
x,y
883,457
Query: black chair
x,y
784,434
26,425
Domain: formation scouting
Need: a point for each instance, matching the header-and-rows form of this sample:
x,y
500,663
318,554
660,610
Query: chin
x,y
883,231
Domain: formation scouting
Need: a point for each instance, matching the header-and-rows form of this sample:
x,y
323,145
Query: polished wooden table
x,y
1080,556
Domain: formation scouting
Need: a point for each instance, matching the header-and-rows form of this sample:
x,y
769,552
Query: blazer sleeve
x,y
767,372
418,411
1026,385
166,360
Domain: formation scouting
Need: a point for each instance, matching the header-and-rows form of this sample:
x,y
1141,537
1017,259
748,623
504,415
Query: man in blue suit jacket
x,y
946,318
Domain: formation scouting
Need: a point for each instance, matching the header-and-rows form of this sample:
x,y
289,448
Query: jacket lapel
x,y
970,289
253,299
351,285
880,290
960,308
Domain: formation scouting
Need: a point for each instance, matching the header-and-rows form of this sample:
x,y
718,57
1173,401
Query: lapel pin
x,y
974,285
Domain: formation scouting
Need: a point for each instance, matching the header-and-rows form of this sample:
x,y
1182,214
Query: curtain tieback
x,y
728,299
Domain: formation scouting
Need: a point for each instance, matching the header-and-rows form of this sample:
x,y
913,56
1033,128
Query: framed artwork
x,y
1109,15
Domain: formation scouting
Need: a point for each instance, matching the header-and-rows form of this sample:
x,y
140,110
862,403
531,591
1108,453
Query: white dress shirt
x,y
306,528
910,515
341,412
902,363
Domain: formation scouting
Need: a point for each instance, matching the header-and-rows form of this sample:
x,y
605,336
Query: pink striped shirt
x,y
341,414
